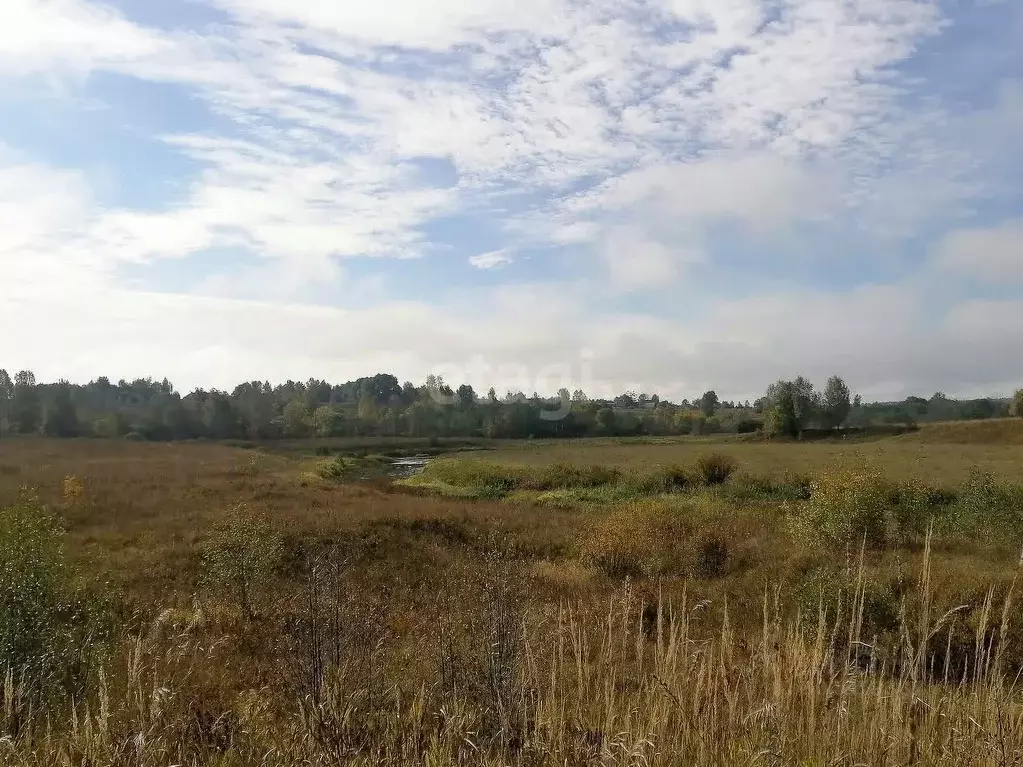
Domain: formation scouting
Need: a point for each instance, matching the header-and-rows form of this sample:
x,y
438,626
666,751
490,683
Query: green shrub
x,y
564,476
485,478
662,479
715,468
51,636
336,469
761,487
987,509
827,589
240,556
845,509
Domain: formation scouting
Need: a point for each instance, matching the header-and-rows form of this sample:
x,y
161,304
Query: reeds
x,y
641,682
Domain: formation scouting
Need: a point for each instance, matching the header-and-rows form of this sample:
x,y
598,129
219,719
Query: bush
x,y
486,478
562,476
825,588
846,508
715,468
662,479
643,538
50,636
242,553
711,556
749,426
336,469
986,508
760,487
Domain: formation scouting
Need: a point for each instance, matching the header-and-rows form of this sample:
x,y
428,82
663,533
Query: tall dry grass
x,y
637,683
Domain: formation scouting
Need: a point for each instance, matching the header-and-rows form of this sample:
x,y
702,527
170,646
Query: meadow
x,y
684,601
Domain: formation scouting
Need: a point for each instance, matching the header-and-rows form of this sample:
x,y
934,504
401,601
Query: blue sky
x,y
666,195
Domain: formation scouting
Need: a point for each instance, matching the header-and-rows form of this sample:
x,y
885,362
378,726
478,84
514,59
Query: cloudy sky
x,y
666,195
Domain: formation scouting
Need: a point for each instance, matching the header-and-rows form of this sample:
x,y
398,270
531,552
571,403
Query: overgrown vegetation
x,y
51,632
710,607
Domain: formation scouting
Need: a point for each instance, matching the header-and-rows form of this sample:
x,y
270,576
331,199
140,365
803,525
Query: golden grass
x,y
916,456
500,632
996,431
637,684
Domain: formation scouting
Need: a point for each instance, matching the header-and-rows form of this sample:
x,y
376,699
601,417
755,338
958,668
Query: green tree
x,y
1017,404
6,395
806,401
466,396
26,407
780,414
61,419
709,403
220,417
607,423
328,421
836,403
49,634
295,418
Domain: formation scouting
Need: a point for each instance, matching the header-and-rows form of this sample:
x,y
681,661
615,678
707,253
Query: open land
x,y
676,601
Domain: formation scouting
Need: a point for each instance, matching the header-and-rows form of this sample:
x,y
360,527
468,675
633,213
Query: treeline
x,y
380,406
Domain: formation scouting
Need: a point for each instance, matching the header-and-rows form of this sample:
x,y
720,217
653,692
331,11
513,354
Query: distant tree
x,y
835,403
606,421
492,396
709,403
328,421
857,401
625,401
579,396
790,406
26,406
780,412
6,395
1017,404
806,402
466,396
220,417
295,418
61,419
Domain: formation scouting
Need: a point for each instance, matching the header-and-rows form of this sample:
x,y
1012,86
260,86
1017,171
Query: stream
x,y
409,466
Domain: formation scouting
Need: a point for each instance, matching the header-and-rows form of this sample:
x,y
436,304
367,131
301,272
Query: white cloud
x,y
885,341
495,259
993,254
635,261
39,35
406,23
625,132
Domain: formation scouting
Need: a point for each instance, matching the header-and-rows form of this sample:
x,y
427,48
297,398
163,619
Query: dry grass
x,y
639,684
996,431
929,455
403,628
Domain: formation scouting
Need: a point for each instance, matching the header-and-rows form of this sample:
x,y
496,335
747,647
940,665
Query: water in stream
x,y
409,466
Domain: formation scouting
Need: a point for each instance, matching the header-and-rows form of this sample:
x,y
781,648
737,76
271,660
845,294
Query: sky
x,y
659,195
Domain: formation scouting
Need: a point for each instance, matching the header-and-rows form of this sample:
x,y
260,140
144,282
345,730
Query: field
x,y
942,452
690,601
